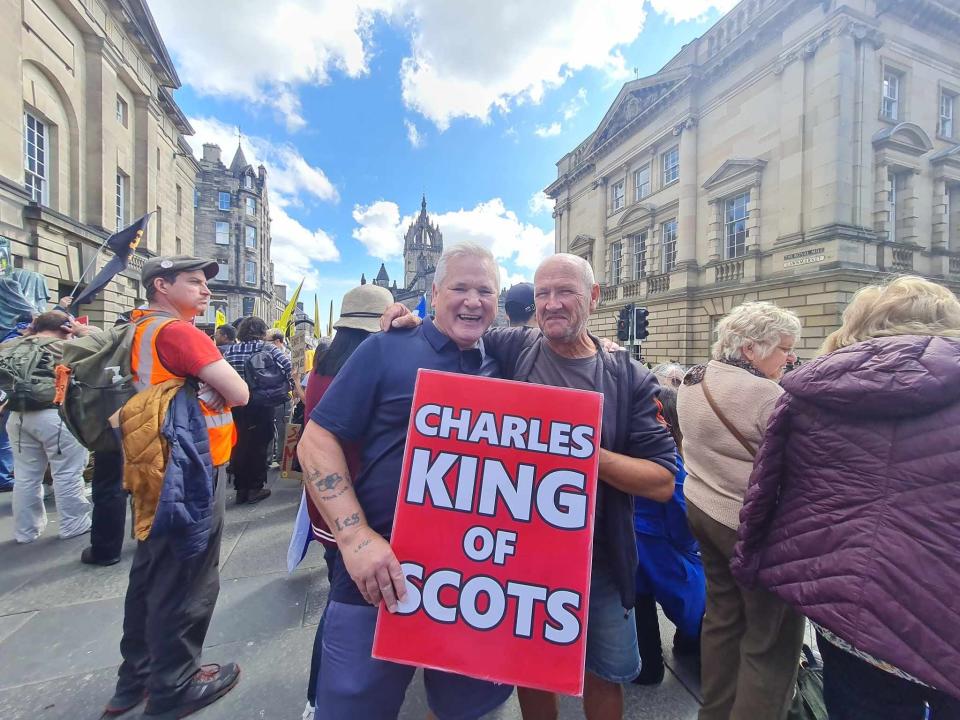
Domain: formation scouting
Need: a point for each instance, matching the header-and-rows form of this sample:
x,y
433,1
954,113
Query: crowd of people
x,y
744,497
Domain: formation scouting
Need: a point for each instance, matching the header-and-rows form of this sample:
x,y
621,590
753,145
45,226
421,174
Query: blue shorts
x,y
612,650
354,685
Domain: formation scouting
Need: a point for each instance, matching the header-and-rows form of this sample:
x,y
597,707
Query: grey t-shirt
x,y
579,374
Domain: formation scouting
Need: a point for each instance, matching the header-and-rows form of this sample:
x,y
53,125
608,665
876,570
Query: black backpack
x,y
266,379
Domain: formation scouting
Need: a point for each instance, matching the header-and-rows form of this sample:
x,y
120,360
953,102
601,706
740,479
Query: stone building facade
x,y
796,151
232,225
90,140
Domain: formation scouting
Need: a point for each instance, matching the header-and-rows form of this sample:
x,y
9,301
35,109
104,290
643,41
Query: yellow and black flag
x,y
122,243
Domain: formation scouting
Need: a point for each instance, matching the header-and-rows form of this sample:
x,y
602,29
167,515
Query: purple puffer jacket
x,y
853,510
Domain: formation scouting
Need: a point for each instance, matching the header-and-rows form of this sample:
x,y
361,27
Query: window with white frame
x,y
947,102
668,246
641,183
617,195
640,255
890,108
896,183
223,233
247,182
670,162
250,272
250,239
223,270
224,200
251,206
616,263
121,201
122,111
35,160
735,233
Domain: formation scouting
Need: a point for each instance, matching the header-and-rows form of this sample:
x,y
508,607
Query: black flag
x,y
123,244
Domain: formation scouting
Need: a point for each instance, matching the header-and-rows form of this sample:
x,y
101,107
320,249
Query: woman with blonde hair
x,y
750,641
852,512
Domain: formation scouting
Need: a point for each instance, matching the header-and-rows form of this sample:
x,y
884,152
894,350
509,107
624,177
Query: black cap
x,y
154,267
520,299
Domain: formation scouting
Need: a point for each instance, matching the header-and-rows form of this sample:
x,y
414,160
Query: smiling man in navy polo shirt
x,y
369,404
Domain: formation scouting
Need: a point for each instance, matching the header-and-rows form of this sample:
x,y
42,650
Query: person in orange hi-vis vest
x,y
170,600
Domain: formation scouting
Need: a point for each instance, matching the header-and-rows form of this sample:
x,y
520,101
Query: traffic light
x,y
623,325
640,323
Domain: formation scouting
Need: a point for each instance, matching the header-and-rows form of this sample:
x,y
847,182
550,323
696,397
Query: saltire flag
x,y
316,318
221,319
422,307
122,243
284,322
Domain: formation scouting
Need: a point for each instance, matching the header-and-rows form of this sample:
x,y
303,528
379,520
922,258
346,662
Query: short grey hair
x,y
760,324
466,249
669,371
585,268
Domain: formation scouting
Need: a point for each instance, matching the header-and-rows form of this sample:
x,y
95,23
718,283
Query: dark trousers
x,y
166,614
751,640
109,505
249,459
856,690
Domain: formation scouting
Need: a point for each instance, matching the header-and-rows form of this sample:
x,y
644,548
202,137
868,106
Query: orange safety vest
x,y
148,370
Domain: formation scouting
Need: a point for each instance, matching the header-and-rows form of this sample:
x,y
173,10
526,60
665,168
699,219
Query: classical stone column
x,y
687,214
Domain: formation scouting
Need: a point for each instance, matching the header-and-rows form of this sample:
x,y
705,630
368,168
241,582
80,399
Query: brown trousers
x,y
751,640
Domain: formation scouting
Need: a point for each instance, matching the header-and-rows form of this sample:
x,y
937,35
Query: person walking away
x,y
519,305
751,640
670,571
268,375
174,578
37,434
851,514
360,312
281,413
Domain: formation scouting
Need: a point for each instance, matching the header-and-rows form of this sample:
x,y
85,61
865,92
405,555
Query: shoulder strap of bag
x,y
723,418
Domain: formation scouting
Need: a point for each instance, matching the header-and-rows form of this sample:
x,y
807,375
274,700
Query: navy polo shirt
x,y
369,403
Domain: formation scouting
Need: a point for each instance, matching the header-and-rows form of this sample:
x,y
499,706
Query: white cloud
x,y
681,10
413,134
574,105
381,230
291,181
546,131
540,203
468,58
508,278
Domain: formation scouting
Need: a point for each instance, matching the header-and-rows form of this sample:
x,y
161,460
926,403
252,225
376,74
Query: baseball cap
x,y
520,296
176,264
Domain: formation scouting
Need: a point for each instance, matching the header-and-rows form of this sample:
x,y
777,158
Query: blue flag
x,y
422,307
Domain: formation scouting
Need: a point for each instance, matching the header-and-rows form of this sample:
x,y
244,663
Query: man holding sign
x,y
369,403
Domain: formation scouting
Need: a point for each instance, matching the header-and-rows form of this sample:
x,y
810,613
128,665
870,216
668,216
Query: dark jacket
x,y
853,510
630,427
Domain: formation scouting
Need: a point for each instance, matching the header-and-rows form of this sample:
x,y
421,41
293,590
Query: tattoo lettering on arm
x,y
362,545
349,521
330,486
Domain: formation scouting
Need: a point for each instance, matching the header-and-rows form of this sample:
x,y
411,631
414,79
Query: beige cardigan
x,y
718,466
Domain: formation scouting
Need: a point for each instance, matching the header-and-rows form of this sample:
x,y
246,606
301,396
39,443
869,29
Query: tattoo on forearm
x,y
329,486
362,545
349,521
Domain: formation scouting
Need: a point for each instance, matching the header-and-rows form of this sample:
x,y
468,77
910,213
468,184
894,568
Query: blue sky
x,y
357,107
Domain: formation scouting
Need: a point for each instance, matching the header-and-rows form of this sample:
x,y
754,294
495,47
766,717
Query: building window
x,y
248,306
179,200
196,197
640,255
223,270
250,272
641,183
891,95
223,233
247,182
159,222
947,101
224,200
251,206
671,166
616,196
735,233
35,161
121,111
668,233
251,236
121,201
616,263
179,246
896,184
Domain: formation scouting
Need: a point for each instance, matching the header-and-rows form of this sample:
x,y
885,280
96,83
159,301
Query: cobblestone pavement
x,y
60,626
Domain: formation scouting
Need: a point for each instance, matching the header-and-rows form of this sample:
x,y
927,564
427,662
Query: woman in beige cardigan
x,y
751,641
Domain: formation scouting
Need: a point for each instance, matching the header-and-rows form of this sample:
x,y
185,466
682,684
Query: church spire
x,y
239,160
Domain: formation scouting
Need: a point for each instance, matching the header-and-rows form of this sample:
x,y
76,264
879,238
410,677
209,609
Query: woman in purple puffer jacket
x,y
853,510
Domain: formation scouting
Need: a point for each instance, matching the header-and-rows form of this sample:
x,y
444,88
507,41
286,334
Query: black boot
x,y
648,638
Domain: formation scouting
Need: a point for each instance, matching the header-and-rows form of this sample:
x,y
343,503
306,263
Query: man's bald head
x,y
583,268
565,293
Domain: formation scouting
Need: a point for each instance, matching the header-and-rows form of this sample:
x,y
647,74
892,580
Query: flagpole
x,y
96,255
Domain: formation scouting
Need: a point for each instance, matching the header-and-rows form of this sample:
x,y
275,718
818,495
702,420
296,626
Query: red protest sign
x,y
494,531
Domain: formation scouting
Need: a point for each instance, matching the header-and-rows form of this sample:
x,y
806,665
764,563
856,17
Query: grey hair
x,y
466,249
585,268
669,371
759,324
